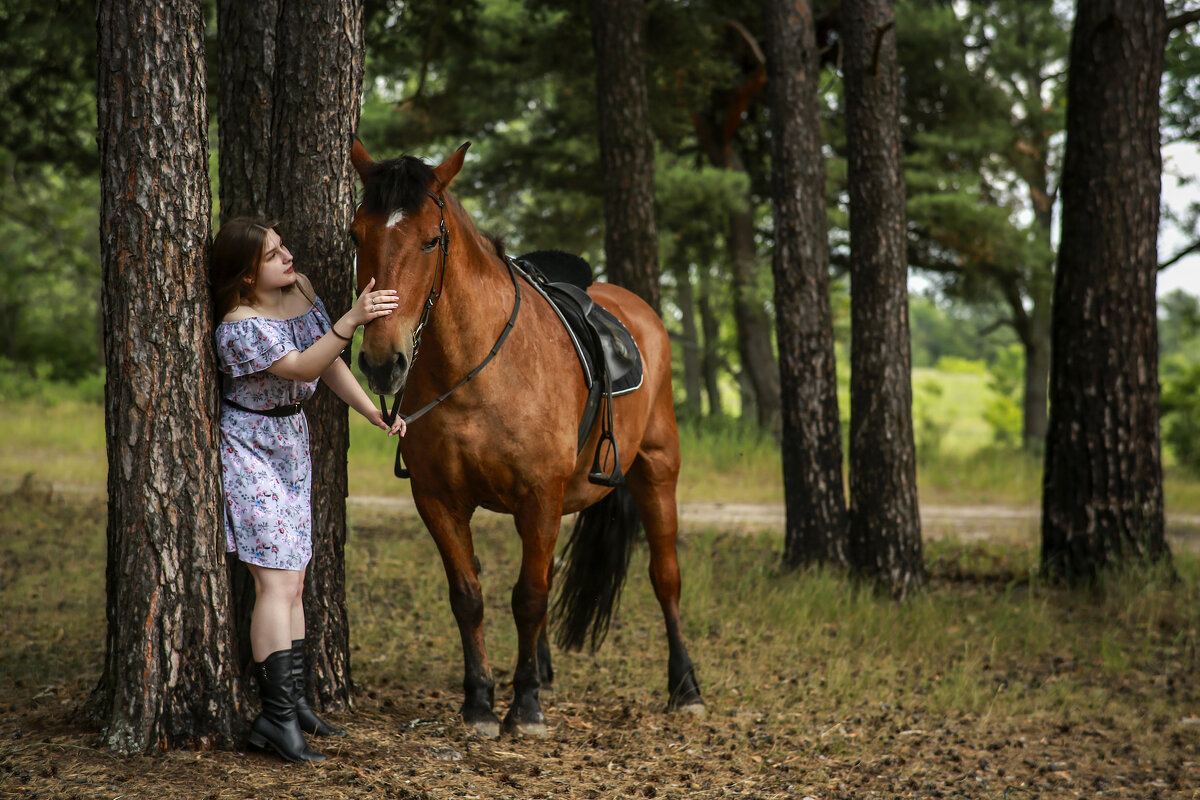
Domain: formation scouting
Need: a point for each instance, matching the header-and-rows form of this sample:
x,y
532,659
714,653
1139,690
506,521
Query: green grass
x,y
62,440
812,662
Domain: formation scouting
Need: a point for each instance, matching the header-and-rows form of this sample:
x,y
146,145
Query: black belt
x,y
279,411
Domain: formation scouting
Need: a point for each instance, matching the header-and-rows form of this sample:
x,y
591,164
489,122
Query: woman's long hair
x,y
236,255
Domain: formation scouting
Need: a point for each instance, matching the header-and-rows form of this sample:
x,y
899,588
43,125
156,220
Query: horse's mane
x,y
397,184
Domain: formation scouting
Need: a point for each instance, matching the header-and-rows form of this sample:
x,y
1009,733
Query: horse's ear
x,y
362,162
446,171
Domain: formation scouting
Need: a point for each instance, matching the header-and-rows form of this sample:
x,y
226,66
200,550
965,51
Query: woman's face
x,y
275,269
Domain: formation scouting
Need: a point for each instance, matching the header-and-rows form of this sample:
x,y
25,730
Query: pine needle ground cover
x,y
989,685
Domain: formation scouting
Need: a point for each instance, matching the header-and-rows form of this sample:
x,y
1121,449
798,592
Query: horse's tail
x,y
595,562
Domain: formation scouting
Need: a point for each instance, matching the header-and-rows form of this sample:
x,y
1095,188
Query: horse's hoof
x,y
536,730
696,709
486,729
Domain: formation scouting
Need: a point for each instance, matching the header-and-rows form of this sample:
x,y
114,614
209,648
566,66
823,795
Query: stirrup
x,y
597,475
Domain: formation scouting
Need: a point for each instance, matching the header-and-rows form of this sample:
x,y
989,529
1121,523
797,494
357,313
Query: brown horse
x,y
507,440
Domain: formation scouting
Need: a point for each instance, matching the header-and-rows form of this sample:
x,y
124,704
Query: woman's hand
x,y
372,305
398,427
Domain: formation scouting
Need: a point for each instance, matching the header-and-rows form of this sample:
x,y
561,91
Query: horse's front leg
x,y
452,533
537,523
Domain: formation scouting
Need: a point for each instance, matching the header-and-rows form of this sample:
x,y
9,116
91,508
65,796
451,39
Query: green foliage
x,y
1178,327
929,430
47,80
1180,405
960,366
49,271
1003,410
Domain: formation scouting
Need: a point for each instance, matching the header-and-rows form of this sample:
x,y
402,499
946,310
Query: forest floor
x,y
805,704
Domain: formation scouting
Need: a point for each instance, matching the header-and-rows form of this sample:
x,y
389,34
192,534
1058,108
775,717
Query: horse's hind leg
x,y
652,479
452,534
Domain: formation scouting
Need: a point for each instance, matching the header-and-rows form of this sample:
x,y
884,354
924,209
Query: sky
x,y
1181,186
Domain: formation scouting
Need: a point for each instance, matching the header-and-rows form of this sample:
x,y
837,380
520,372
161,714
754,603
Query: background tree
x,y
49,192
812,439
983,107
885,523
1102,495
719,131
291,86
626,148
170,677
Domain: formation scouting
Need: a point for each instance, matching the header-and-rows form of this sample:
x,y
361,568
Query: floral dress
x,y
266,469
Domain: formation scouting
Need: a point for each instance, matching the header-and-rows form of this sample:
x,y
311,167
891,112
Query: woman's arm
x,y
309,364
339,378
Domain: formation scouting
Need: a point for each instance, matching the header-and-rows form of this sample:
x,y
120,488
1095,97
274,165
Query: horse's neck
x,y
476,302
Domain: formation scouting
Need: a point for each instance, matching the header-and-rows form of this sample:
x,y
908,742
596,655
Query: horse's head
x,y
398,230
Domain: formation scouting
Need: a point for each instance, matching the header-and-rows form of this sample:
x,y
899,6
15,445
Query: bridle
x,y
439,273
435,292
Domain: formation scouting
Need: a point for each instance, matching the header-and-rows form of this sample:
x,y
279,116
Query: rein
x,y
435,291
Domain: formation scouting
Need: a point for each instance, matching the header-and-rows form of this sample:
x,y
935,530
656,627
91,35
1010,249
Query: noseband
x,y
435,291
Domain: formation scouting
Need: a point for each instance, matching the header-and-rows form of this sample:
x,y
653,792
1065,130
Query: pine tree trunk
x,y
291,162
816,524
751,319
170,675
246,47
1102,500
885,522
626,148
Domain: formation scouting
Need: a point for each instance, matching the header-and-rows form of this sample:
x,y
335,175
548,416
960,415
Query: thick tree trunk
x,y
246,47
300,146
170,675
1102,500
816,523
885,522
626,148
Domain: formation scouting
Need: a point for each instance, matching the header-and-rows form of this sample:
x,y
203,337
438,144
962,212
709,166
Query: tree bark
x,y
626,148
299,76
170,675
1102,498
811,445
885,522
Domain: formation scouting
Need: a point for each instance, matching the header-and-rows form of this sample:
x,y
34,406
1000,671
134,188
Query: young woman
x,y
275,340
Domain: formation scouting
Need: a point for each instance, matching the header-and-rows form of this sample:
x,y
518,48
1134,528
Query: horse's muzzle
x,y
387,377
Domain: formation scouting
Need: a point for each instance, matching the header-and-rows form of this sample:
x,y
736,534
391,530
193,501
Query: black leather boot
x,y
309,721
277,727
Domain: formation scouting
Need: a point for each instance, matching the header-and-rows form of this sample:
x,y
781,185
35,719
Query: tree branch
x,y
880,30
1180,20
1194,247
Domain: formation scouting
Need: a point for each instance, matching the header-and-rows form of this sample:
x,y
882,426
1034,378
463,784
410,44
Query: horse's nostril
x,y
401,363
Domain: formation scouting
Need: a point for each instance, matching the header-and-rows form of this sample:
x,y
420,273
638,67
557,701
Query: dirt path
x,y
1016,525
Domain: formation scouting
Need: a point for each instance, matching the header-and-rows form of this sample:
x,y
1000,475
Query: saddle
x,y
611,361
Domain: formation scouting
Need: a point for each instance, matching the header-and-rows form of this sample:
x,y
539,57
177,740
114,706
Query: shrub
x,y
1180,406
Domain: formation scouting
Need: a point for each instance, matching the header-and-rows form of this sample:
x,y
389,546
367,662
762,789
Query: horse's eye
x,y
430,245
354,238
